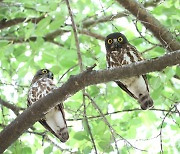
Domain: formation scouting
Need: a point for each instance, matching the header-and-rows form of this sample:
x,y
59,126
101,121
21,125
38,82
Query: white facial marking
x,y
114,40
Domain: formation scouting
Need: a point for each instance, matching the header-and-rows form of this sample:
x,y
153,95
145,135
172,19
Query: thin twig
x,y
161,144
130,143
122,111
105,120
154,46
14,85
135,23
2,125
113,131
45,137
81,69
91,34
75,36
66,72
14,108
91,22
89,129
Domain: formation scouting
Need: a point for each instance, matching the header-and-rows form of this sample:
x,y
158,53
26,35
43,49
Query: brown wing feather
x,y
43,121
123,87
145,79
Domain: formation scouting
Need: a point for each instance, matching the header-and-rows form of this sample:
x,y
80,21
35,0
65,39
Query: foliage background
x,y
45,40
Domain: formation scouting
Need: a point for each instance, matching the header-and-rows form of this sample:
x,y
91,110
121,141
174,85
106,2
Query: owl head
x,y
43,73
114,41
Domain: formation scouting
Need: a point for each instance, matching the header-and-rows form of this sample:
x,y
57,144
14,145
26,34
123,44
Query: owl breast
x,y
123,56
40,89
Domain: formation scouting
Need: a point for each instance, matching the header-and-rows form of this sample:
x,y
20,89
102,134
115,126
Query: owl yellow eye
x,y
120,39
44,71
110,41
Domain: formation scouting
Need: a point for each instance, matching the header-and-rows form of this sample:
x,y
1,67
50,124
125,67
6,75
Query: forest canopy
x,y
101,118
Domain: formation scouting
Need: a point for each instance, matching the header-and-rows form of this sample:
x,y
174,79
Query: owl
x,y
54,120
120,52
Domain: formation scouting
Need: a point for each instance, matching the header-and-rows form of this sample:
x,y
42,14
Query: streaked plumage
x,y
121,52
54,120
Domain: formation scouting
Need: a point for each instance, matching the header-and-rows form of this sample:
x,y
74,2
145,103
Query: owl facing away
x,y
120,52
54,120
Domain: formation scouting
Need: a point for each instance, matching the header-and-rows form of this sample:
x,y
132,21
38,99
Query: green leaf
x,y
42,26
87,149
3,43
80,135
178,71
27,150
105,147
48,150
55,69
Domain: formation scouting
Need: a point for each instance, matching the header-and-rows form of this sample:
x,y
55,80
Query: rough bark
x,y
75,84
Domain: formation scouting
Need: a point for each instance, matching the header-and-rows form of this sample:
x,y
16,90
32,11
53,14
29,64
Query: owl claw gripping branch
x,y
54,120
121,52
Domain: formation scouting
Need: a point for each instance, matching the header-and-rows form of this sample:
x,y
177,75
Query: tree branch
x,y
49,38
81,69
75,84
8,23
151,23
87,122
87,23
91,22
105,120
14,108
121,111
160,134
75,36
89,33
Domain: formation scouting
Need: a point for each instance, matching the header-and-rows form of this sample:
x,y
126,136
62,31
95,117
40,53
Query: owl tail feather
x,y
63,134
145,101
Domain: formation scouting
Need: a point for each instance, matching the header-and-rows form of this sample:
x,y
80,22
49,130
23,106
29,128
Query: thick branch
x,y
12,22
151,23
75,84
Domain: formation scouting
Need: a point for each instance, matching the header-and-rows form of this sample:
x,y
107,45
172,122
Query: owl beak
x,y
115,46
50,75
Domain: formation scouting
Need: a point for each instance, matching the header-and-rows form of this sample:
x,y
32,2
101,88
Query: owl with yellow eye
x,y
54,120
120,52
